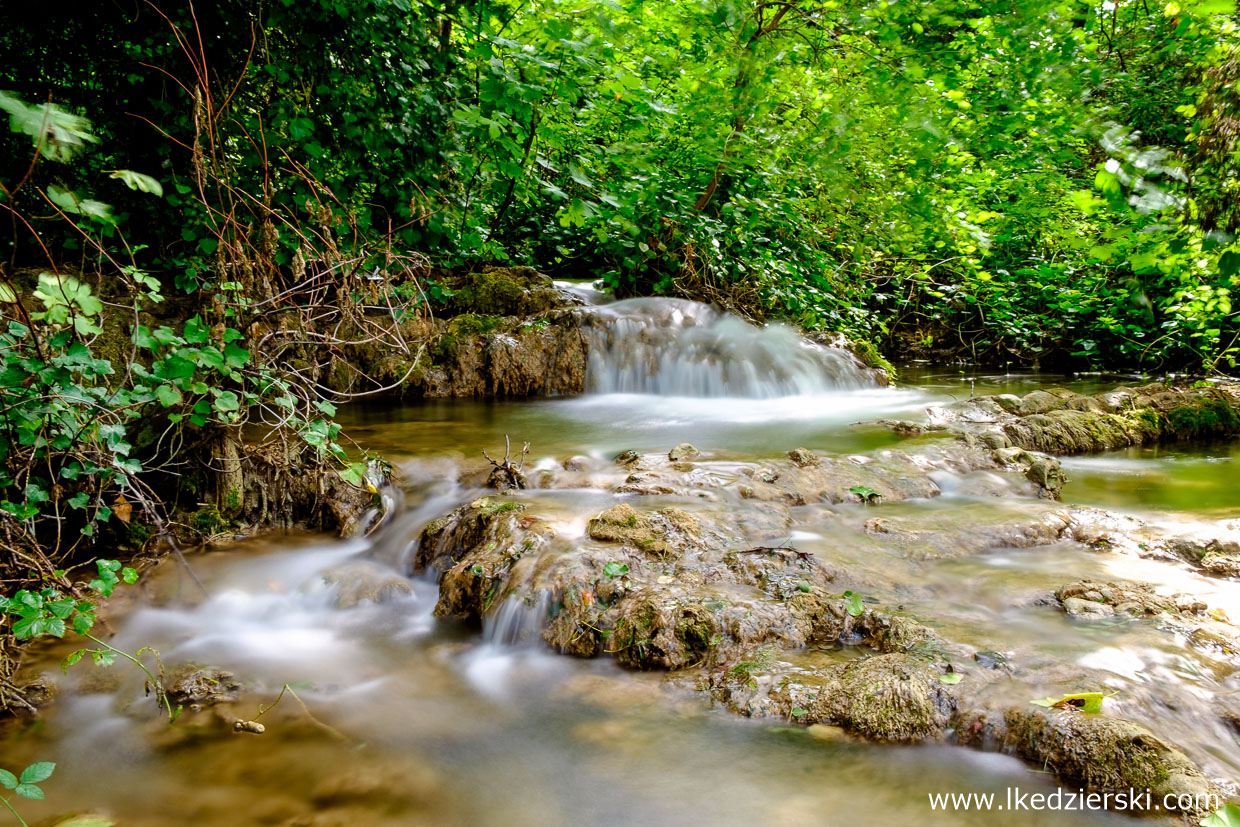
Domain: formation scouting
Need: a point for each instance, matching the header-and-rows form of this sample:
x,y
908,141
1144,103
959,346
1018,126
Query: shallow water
x,y
410,720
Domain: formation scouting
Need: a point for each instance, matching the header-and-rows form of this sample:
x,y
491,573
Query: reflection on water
x,y
1178,479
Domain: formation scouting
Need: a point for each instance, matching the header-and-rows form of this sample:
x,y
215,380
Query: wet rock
x,y
1102,754
365,580
803,457
1086,608
882,697
1088,597
202,686
576,463
1057,421
682,452
627,457
1212,547
650,533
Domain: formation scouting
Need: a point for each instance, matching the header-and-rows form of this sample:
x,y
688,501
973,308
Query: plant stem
x,y
16,814
156,682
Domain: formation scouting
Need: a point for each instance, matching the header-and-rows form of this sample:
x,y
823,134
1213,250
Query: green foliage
x,y
900,172
26,785
853,603
1226,816
614,569
864,493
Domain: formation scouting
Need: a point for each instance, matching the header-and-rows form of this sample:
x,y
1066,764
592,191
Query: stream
x,y
409,719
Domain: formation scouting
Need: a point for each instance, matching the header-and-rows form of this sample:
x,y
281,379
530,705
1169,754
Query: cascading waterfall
x,y
674,347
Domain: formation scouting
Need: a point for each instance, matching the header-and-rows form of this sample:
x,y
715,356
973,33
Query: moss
x,y
891,697
870,356
209,520
1101,753
1213,417
472,324
488,507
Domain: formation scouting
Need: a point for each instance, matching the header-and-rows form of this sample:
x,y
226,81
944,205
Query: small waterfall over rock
x,y
518,620
674,347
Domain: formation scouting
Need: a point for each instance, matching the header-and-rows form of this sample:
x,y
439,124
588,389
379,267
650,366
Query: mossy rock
x,y
1102,754
892,697
503,291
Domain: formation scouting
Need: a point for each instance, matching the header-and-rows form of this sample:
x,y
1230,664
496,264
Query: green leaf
x,y
235,356
227,401
1226,816
38,772
196,333
354,474
7,296
168,395
28,627
8,779
326,407
138,181
29,791
71,659
951,678
1084,701
614,569
70,203
854,605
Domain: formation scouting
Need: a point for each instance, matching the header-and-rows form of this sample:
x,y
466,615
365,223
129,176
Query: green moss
x,y
870,356
472,324
209,520
489,508
1213,417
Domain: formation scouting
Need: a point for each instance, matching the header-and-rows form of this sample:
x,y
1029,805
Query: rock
x,y
576,463
831,734
1061,422
1087,608
803,457
1102,754
364,580
198,687
627,457
683,451
1088,597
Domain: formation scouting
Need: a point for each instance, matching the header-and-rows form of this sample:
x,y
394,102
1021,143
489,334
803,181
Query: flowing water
x,y
412,720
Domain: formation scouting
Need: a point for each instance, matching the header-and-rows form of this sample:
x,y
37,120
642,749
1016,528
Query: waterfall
x,y
674,347
518,621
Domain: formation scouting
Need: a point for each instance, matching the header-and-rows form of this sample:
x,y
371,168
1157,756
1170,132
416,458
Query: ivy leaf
x,y
853,604
168,395
8,779
226,402
196,332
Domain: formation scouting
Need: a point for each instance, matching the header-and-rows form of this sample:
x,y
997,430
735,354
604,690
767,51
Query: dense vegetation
x,y
202,201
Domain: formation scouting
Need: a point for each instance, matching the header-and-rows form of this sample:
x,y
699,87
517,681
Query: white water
x,y
672,347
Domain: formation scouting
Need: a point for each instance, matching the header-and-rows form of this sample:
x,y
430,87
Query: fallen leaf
x,y
121,508
1082,701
